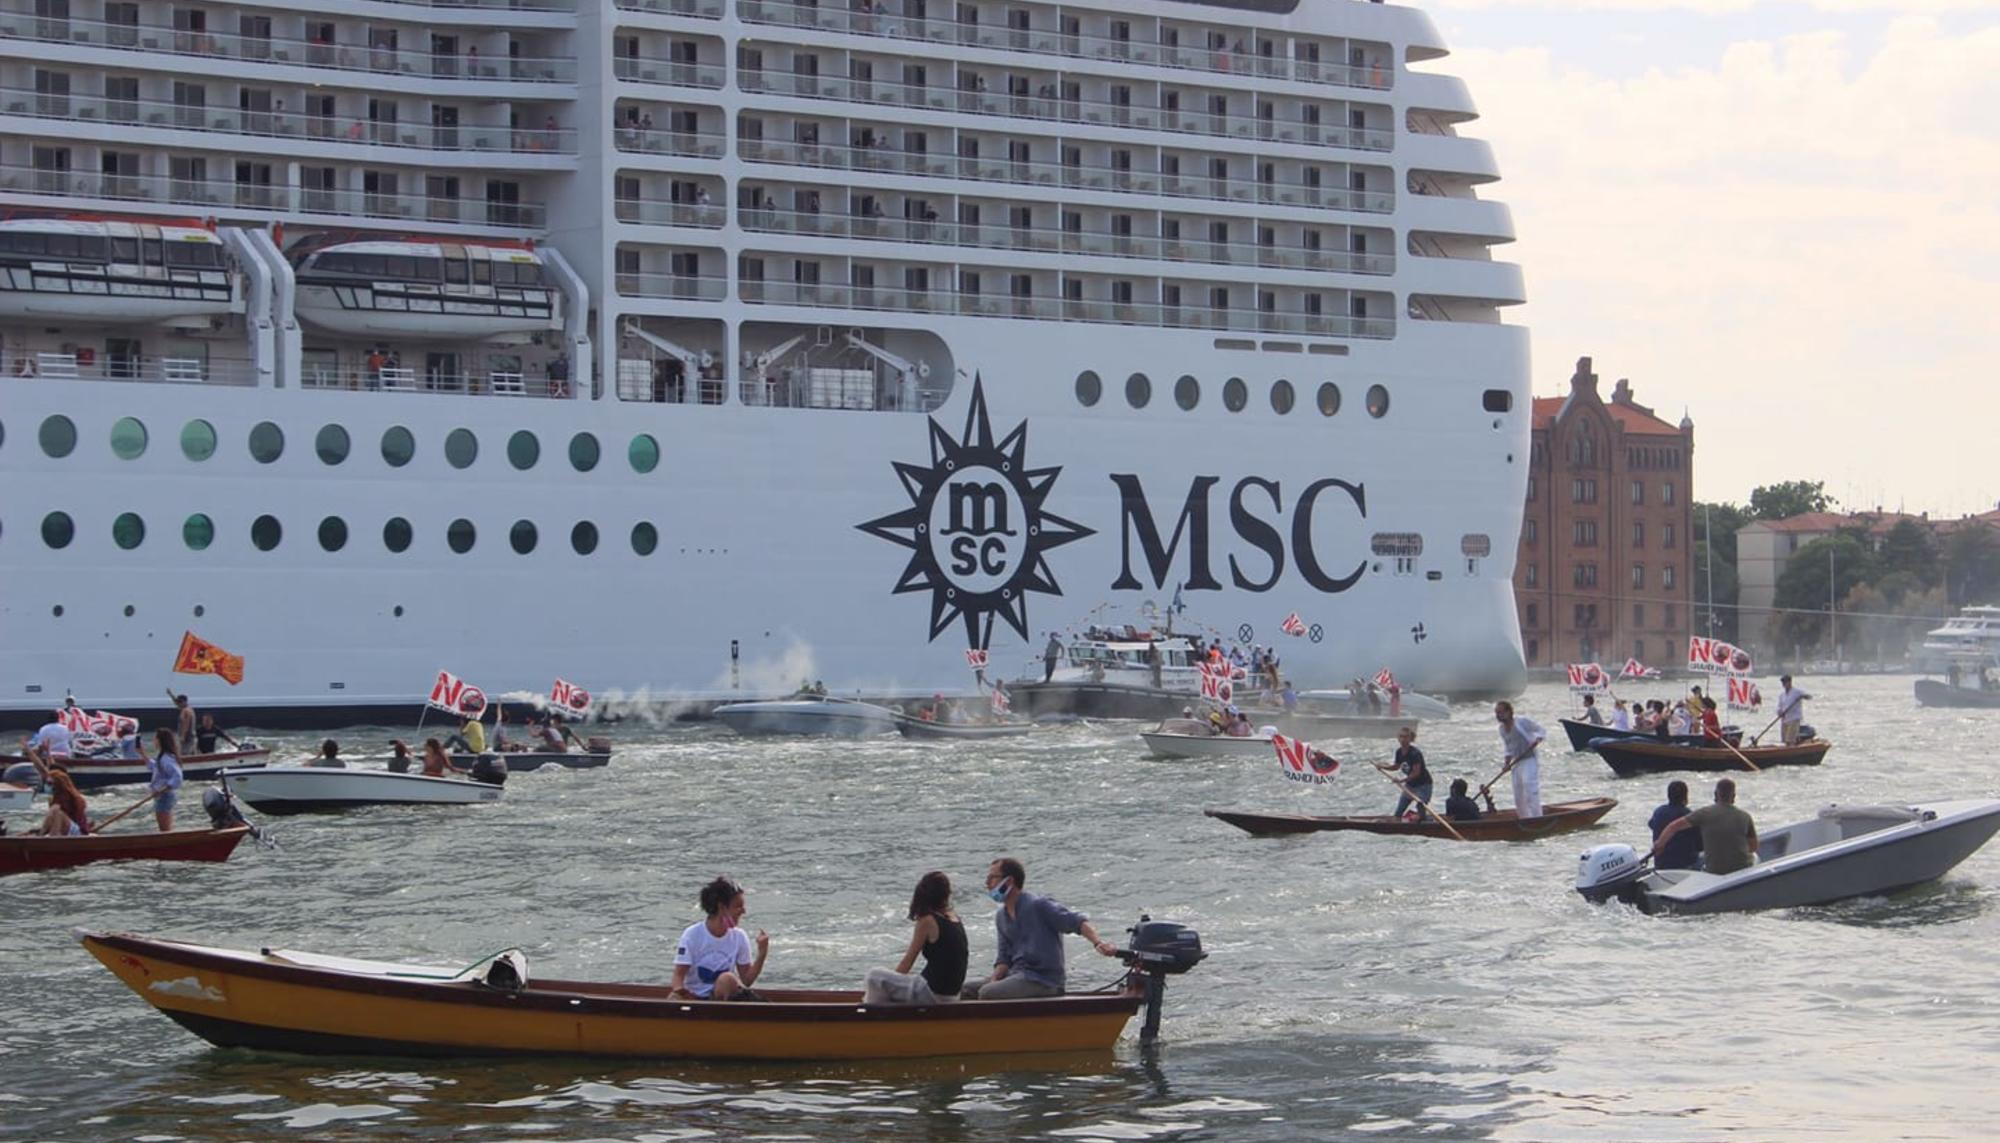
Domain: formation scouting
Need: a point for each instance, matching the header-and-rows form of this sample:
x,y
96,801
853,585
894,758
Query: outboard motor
x,y
222,809
490,769
1807,733
1159,949
23,774
1609,872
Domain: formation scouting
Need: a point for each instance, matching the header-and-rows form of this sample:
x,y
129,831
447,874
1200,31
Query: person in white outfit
x,y
1791,710
1621,718
1520,737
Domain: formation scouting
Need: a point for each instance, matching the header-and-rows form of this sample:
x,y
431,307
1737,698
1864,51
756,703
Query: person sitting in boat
x,y
1685,849
53,739
1288,698
68,814
1409,762
1621,717
1591,714
1460,807
1030,927
328,756
471,737
819,688
556,735
1728,835
206,733
437,763
399,756
939,937
1239,726
713,960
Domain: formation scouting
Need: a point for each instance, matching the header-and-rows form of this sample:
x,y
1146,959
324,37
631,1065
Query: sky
x,y
1780,217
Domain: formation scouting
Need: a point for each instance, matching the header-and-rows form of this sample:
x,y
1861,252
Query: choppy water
x,y
1356,987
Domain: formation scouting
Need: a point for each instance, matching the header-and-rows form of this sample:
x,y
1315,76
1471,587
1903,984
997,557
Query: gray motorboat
x,y
1843,852
808,714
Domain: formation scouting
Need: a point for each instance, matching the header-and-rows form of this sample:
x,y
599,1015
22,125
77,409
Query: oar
x,y
1508,765
1435,816
100,827
1767,728
1740,756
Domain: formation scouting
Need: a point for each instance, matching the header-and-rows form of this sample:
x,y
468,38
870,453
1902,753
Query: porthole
x,y
128,531
1378,401
522,536
199,611
644,453
197,440
1235,394
58,436
130,611
1089,389
583,538
58,529
523,450
331,444
56,611
265,532
197,532
645,538
461,535
583,452
1187,392
267,442
332,533
3,434
398,612
398,446
396,534
461,448
1282,397
1328,399
128,438
1138,390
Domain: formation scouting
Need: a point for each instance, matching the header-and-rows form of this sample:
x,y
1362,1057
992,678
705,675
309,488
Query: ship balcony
x,y
654,212
680,144
679,287
1473,279
697,9
169,370
1443,97
885,23
1469,159
1473,217
228,52
669,73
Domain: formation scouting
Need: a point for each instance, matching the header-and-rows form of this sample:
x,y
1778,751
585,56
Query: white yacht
x,y
689,347
1973,635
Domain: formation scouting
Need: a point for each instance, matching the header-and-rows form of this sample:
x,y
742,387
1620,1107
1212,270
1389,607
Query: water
x,y
1356,986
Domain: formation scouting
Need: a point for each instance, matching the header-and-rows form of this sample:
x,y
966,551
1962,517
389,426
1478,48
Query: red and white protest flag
x,y
1634,669
456,696
1293,625
975,657
1299,762
74,720
1744,695
1713,657
1001,703
1587,678
107,725
1385,680
569,698
1215,685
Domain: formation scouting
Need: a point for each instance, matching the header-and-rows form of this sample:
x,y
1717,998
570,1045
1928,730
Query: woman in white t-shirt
x,y
713,960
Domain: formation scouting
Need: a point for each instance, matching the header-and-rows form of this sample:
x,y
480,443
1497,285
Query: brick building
x,y
1606,566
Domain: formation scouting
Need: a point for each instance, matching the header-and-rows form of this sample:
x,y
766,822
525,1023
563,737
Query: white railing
x,y
708,77
685,287
167,190
404,379
700,9
105,367
652,212
656,141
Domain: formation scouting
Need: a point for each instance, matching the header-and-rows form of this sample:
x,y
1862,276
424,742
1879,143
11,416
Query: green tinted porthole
x,y
461,535
583,452
522,536
197,440
1282,397
265,532
333,533
128,438
58,436
267,442
197,532
644,453
523,450
461,448
645,538
1235,394
331,444
583,538
1187,392
1329,399
128,531
398,446
396,534
58,529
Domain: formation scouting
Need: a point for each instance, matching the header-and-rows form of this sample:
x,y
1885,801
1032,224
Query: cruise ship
x,y
698,347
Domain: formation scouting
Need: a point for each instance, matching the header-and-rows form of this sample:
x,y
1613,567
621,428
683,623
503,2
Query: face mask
x,y
999,892
728,922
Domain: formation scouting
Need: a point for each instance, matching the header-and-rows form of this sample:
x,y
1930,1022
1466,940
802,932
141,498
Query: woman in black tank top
x,y
938,936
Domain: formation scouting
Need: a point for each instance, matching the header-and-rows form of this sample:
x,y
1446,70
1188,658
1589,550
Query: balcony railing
x,y
890,25
157,39
639,69
652,212
685,144
700,9
287,124
166,190
403,379
683,287
107,367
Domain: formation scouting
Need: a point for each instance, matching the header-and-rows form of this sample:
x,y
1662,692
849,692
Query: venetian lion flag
x,y
1300,762
1293,625
569,698
201,657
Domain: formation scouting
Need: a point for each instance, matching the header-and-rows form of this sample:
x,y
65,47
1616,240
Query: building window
x,y
128,531
197,532
1532,576
1534,614
267,443
645,538
583,538
1667,577
1583,533
1638,492
128,438
460,535
1638,533
1534,649
1671,618
1529,531
266,532
1531,488
461,448
396,534
644,453
523,450
1638,620
1667,492
583,452
1666,535
1584,575
1088,388
1639,649
522,536
332,533
1638,576
1583,491
198,440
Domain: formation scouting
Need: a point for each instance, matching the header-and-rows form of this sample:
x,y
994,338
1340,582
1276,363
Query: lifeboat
x,y
114,271
410,288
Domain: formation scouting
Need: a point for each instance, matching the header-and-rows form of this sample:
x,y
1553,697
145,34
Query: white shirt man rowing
x,y
1520,737
1791,710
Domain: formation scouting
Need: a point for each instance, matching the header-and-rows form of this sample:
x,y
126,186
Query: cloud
x,y
1799,240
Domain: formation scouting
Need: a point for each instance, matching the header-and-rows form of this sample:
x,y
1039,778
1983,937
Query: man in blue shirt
x,y
1029,962
1681,849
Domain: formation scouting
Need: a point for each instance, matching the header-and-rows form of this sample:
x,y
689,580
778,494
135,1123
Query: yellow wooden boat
x,y
280,1000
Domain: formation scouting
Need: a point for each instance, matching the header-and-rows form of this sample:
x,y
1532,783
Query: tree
x,y
1972,565
1791,498
1908,549
1715,527
1824,570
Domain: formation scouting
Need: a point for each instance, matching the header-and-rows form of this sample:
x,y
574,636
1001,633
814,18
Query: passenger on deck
x,y
1591,714
1728,835
1460,807
68,814
184,724
556,735
713,960
1240,726
1686,846
328,756
52,739
399,756
471,737
1289,698
1030,928
1621,718
1711,726
437,763
206,733
939,937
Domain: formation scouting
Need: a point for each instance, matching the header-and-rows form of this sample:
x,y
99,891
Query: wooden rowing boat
x,y
963,731
300,1002
1631,758
519,760
1501,825
23,854
96,773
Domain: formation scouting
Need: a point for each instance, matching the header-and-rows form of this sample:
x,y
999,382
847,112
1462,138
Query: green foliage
x,y
1791,498
1972,566
1715,528
1811,581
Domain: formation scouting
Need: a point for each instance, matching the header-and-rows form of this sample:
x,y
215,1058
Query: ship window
x,y
198,440
1328,399
128,531
398,446
265,532
1378,401
583,452
1282,397
644,453
522,536
1138,390
58,530
197,532
267,442
1187,392
1401,545
58,436
128,438
333,533
396,534
1089,389
460,535
1496,400
1235,394
523,450
461,448
583,538
645,538
331,444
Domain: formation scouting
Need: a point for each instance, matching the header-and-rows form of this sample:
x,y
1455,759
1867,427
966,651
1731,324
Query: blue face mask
x,y
999,892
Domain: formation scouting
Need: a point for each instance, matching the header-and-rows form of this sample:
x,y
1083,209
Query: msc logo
x,y
977,533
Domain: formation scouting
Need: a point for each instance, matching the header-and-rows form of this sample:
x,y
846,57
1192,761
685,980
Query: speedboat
x,y
302,789
1343,702
1844,851
98,772
808,714
13,797
1193,738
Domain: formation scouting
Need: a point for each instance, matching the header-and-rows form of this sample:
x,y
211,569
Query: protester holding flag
x,y
184,724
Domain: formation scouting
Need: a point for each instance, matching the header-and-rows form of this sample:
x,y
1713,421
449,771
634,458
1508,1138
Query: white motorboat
x,y
1192,738
1843,852
808,714
1410,708
302,789
14,798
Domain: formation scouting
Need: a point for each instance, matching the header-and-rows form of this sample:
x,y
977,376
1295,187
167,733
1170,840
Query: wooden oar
x,y
1740,756
101,826
1508,765
1398,783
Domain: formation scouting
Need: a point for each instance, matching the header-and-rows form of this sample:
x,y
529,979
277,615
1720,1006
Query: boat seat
x,y
1854,821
